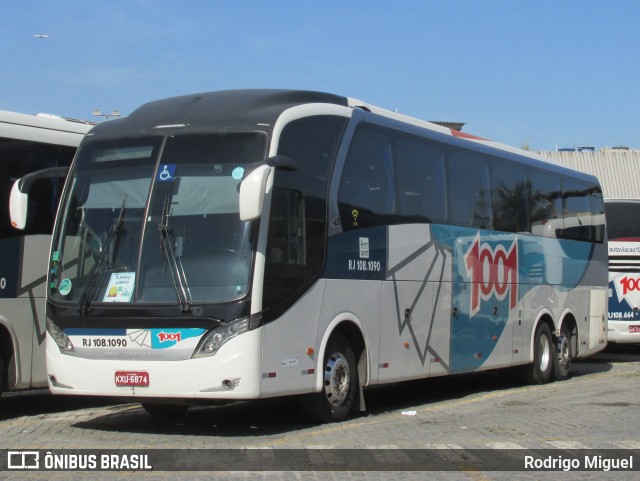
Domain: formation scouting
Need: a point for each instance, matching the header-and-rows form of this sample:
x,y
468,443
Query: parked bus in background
x,y
623,223
252,244
29,144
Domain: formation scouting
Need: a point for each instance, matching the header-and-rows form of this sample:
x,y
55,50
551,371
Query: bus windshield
x,y
134,207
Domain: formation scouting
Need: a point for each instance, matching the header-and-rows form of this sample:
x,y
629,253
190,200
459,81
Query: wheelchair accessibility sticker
x,y
166,172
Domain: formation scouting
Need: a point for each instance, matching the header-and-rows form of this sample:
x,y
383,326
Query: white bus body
x,y
623,223
251,244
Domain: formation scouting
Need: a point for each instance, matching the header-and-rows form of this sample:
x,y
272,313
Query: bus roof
x,y
245,109
259,109
43,128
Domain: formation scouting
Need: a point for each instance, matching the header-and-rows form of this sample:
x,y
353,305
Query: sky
x,y
545,74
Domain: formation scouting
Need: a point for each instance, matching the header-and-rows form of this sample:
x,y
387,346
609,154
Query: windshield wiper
x,y
114,231
175,264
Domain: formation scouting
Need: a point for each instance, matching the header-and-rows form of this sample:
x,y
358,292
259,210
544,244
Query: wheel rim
x,y
336,379
564,351
544,353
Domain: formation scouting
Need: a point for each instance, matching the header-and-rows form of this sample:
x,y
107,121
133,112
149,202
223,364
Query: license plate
x,y
132,378
634,329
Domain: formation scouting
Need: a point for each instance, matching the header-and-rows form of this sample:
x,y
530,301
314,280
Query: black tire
x,y
564,354
340,384
166,411
544,356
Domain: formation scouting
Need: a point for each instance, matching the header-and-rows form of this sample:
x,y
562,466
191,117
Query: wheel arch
x,y
544,316
9,358
351,329
569,321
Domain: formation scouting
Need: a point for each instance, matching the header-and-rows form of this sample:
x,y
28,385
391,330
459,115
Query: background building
x,y
617,168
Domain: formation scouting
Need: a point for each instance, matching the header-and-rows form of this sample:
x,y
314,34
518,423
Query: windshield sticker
x,y
120,287
65,287
167,173
237,173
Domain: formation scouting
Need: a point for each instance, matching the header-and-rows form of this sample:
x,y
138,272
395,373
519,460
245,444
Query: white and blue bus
x,y
39,149
252,244
623,224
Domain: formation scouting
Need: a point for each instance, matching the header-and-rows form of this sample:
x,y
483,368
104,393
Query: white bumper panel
x,y
618,332
232,373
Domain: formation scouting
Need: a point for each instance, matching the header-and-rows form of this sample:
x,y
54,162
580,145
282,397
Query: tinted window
x,y
19,158
545,205
297,227
596,201
469,194
577,211
509,192
421,186
367,195
393,177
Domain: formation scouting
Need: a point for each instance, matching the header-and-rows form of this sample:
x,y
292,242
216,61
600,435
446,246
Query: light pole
x,y
98,113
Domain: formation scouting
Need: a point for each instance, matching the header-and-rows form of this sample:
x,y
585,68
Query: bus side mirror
x,y
252,191
19,198
18,206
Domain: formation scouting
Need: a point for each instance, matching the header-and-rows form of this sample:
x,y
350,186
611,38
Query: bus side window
x,y
20,158
286,230
545,205
509,193
420,180
367,195
469,194
578,221
596,201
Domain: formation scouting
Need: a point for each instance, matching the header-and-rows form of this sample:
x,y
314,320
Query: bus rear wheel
x,y
544,357
339,384
564,354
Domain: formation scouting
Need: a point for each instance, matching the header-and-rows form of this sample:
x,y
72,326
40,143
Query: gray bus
x,y
29,144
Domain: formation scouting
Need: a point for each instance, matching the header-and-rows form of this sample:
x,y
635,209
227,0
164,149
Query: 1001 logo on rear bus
x,y
629,284
493,273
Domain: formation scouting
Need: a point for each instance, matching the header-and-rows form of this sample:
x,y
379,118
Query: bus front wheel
x,y
339,384
544,357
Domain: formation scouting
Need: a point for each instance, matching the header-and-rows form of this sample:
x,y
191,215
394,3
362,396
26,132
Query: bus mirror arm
x,y
252,191
282,162
19,199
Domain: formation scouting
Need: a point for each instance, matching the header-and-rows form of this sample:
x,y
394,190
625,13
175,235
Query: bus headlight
x,y
60,337
214,339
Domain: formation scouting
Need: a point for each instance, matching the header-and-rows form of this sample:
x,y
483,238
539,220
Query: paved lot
x,y
595,409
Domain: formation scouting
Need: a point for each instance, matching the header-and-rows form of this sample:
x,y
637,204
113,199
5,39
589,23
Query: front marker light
x,y
214,339
62,340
